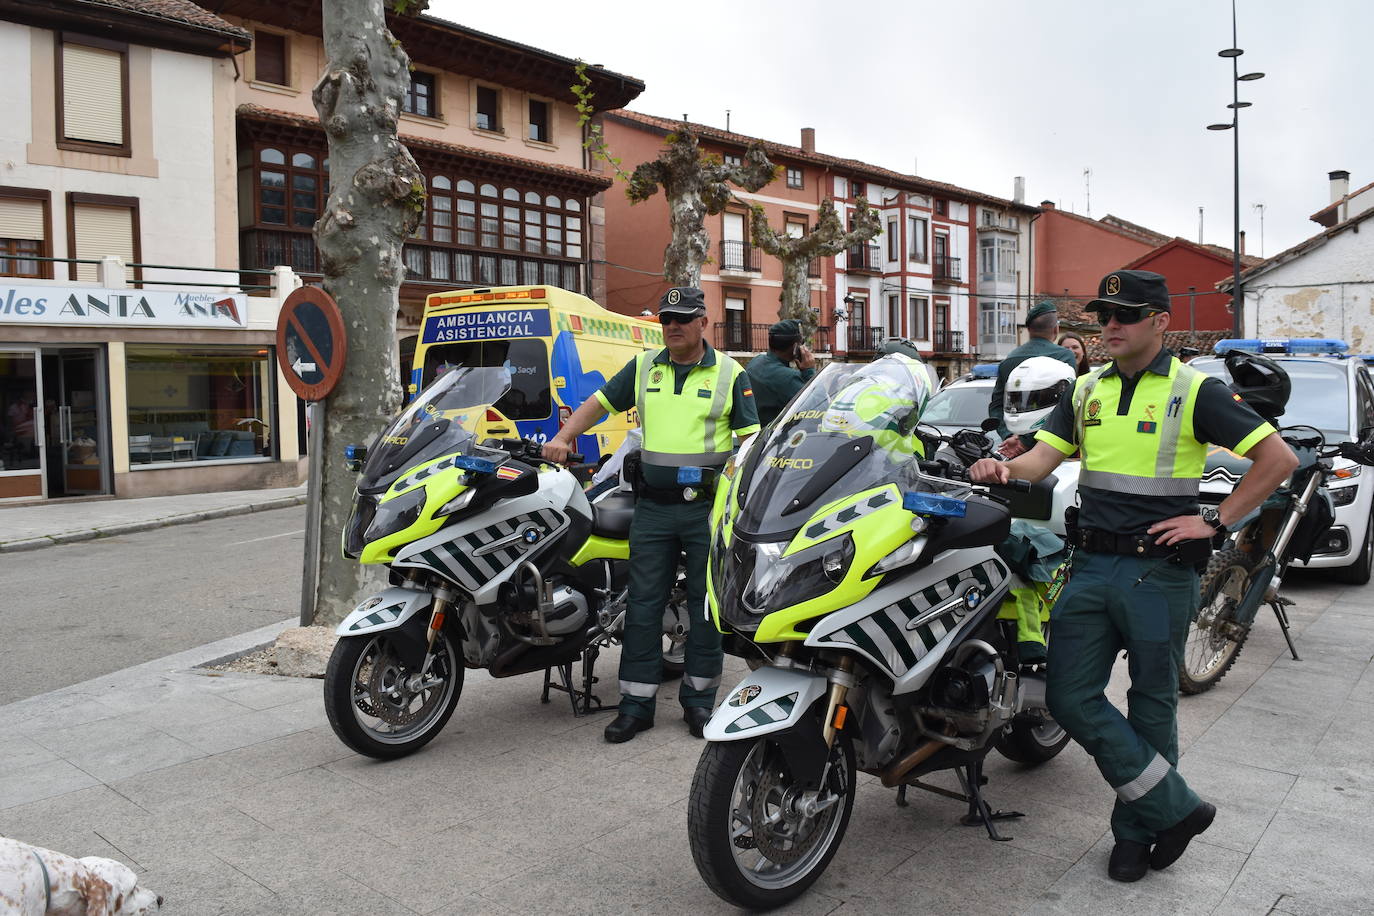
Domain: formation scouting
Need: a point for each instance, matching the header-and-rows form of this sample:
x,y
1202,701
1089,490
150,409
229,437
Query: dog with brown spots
x,y
40,882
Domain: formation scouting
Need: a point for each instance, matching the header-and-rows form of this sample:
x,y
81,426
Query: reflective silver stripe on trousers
x,y
1172,426
1139,486
723,385
638,689
683,459
702,683
1152,776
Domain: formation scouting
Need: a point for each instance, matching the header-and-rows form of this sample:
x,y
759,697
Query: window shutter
x,y
92,94
102,231
21,219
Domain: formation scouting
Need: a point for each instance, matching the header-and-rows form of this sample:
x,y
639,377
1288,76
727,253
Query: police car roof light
x,y
934,504
474,463
984,370
1284,345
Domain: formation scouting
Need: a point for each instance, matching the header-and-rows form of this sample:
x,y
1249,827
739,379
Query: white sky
x,y
978,91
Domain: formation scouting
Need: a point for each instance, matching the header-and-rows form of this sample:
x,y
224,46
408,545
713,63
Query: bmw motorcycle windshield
x,y
852,428
442,420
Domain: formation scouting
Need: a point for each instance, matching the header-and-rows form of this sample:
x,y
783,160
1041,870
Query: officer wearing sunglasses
x,y
1142,423
693,402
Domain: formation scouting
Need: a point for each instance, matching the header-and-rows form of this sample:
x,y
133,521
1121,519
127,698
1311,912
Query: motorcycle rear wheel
x,y
370,706
740,810
1208,654
1033,739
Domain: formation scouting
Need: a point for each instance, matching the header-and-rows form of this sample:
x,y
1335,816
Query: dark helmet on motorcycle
x,y
1259,381
899,345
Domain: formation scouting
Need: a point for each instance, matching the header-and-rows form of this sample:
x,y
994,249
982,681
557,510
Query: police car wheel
x,y
1357,573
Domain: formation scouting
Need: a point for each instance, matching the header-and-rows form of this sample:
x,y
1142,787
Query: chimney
x,y
1018,194
809,139
1340,184
1047,205
1242,243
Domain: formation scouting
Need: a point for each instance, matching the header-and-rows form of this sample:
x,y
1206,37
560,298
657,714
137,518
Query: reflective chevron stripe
x,y
836,520
767,714
457,559
379,616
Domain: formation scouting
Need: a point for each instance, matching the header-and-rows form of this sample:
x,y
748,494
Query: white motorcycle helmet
x,y
1033,388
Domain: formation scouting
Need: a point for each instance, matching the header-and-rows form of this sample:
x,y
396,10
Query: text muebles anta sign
x,y
121,307
493,324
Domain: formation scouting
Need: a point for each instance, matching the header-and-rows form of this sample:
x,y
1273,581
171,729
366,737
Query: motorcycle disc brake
x,y
389,699
770,836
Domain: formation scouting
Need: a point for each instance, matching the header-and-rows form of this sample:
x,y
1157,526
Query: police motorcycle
x,y
1247,570
496,560
864,593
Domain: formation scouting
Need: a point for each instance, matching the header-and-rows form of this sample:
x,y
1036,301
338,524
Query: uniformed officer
x,y
1042,324
1141,422
771,374
692,402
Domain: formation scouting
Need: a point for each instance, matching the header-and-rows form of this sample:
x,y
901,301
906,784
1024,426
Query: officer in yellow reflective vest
x,y
693,401
1142,423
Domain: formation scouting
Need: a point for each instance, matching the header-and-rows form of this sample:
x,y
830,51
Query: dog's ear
x,y
108,885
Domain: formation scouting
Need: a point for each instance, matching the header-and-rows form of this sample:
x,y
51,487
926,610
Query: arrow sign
x,y
310,342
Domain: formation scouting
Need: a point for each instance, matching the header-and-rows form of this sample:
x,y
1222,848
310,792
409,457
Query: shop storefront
x,y
140,392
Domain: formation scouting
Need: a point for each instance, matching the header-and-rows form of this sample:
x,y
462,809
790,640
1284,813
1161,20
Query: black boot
x,y
625,727
1129,862
696,718
1170,843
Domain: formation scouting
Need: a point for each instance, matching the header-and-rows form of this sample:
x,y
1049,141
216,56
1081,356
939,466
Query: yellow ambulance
x,y
559,347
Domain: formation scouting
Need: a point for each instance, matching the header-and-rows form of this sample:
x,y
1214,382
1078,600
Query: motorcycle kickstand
x,y
1278,604
972,780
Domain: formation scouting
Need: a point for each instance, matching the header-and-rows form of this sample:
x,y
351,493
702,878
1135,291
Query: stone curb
x,y
90,534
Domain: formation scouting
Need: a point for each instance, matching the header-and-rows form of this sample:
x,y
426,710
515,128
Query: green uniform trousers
x,y
1103,610
659,534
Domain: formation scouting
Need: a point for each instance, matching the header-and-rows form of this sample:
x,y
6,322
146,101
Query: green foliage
x,y
595,141
415,200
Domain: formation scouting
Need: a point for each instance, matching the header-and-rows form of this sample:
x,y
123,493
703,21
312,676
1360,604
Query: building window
x,y
796,228
894,315
997,259
732,160
422,97
996,323
920,319
894,244
737,322
291,187
25,233
539,121
990,218
916,230
99,225
794,178
199,403
93,95
941,206
269,59
488,109
856,189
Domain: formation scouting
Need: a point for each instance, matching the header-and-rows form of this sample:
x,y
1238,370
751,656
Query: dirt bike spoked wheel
x,y
381,708
1214,640
752,840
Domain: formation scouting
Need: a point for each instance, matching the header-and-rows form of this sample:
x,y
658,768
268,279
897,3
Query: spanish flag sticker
x,y
748,392
506,473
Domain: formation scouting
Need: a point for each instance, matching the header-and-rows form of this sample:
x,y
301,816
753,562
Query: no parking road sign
x,y
311,347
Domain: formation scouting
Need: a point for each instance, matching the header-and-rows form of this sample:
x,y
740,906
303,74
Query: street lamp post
x,y
1233,52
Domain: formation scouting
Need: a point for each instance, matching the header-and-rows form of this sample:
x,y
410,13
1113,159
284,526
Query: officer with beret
x,y
1042,324
771,374
1142,424
693,402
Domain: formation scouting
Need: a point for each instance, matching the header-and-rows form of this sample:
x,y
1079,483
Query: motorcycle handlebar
x,y
1014,484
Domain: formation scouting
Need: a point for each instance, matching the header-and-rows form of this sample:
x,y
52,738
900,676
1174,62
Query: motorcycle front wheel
x,y
381,708
1211,650
751,840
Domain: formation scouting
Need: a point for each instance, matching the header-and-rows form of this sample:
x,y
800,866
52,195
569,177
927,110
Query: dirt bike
x,y
1248,570
496,560
864,592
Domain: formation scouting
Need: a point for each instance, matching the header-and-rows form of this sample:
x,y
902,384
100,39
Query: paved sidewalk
x,y
36,525
230,795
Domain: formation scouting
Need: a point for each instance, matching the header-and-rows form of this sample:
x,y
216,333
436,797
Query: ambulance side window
x,y
529,398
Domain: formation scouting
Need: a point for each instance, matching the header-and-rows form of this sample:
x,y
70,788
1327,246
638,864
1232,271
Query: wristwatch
x,y
1212,516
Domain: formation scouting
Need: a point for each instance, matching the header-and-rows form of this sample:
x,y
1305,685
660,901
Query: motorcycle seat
x,y
612,514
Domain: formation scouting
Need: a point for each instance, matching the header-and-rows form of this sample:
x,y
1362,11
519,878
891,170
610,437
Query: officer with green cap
x,y
1042,324
1142,424
693,403
771,374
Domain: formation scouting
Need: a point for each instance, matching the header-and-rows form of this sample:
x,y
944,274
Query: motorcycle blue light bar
x,y
1289,345
934,504
473,463
355,452
689,477
985,370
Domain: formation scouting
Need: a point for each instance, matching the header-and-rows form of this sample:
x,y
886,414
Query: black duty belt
x,y
675,495
1140,545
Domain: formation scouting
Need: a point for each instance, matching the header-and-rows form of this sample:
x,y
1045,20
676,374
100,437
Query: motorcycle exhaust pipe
x,y
895,774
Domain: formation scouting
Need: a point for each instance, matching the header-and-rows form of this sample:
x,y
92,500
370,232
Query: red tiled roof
x,y
1216,251
179,11
863,169
1299,249
257,112
1117,222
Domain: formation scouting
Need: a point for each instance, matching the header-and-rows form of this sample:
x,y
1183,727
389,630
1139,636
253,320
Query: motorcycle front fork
x,y
1266,572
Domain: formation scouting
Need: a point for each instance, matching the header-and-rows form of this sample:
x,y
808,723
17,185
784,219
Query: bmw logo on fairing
x,y
973,597
531,534
746,695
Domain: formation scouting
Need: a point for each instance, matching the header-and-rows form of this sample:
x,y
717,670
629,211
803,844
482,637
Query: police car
x,y
1334,393
963,403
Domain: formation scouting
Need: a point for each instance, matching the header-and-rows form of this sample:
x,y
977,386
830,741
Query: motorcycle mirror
x,y
989,425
